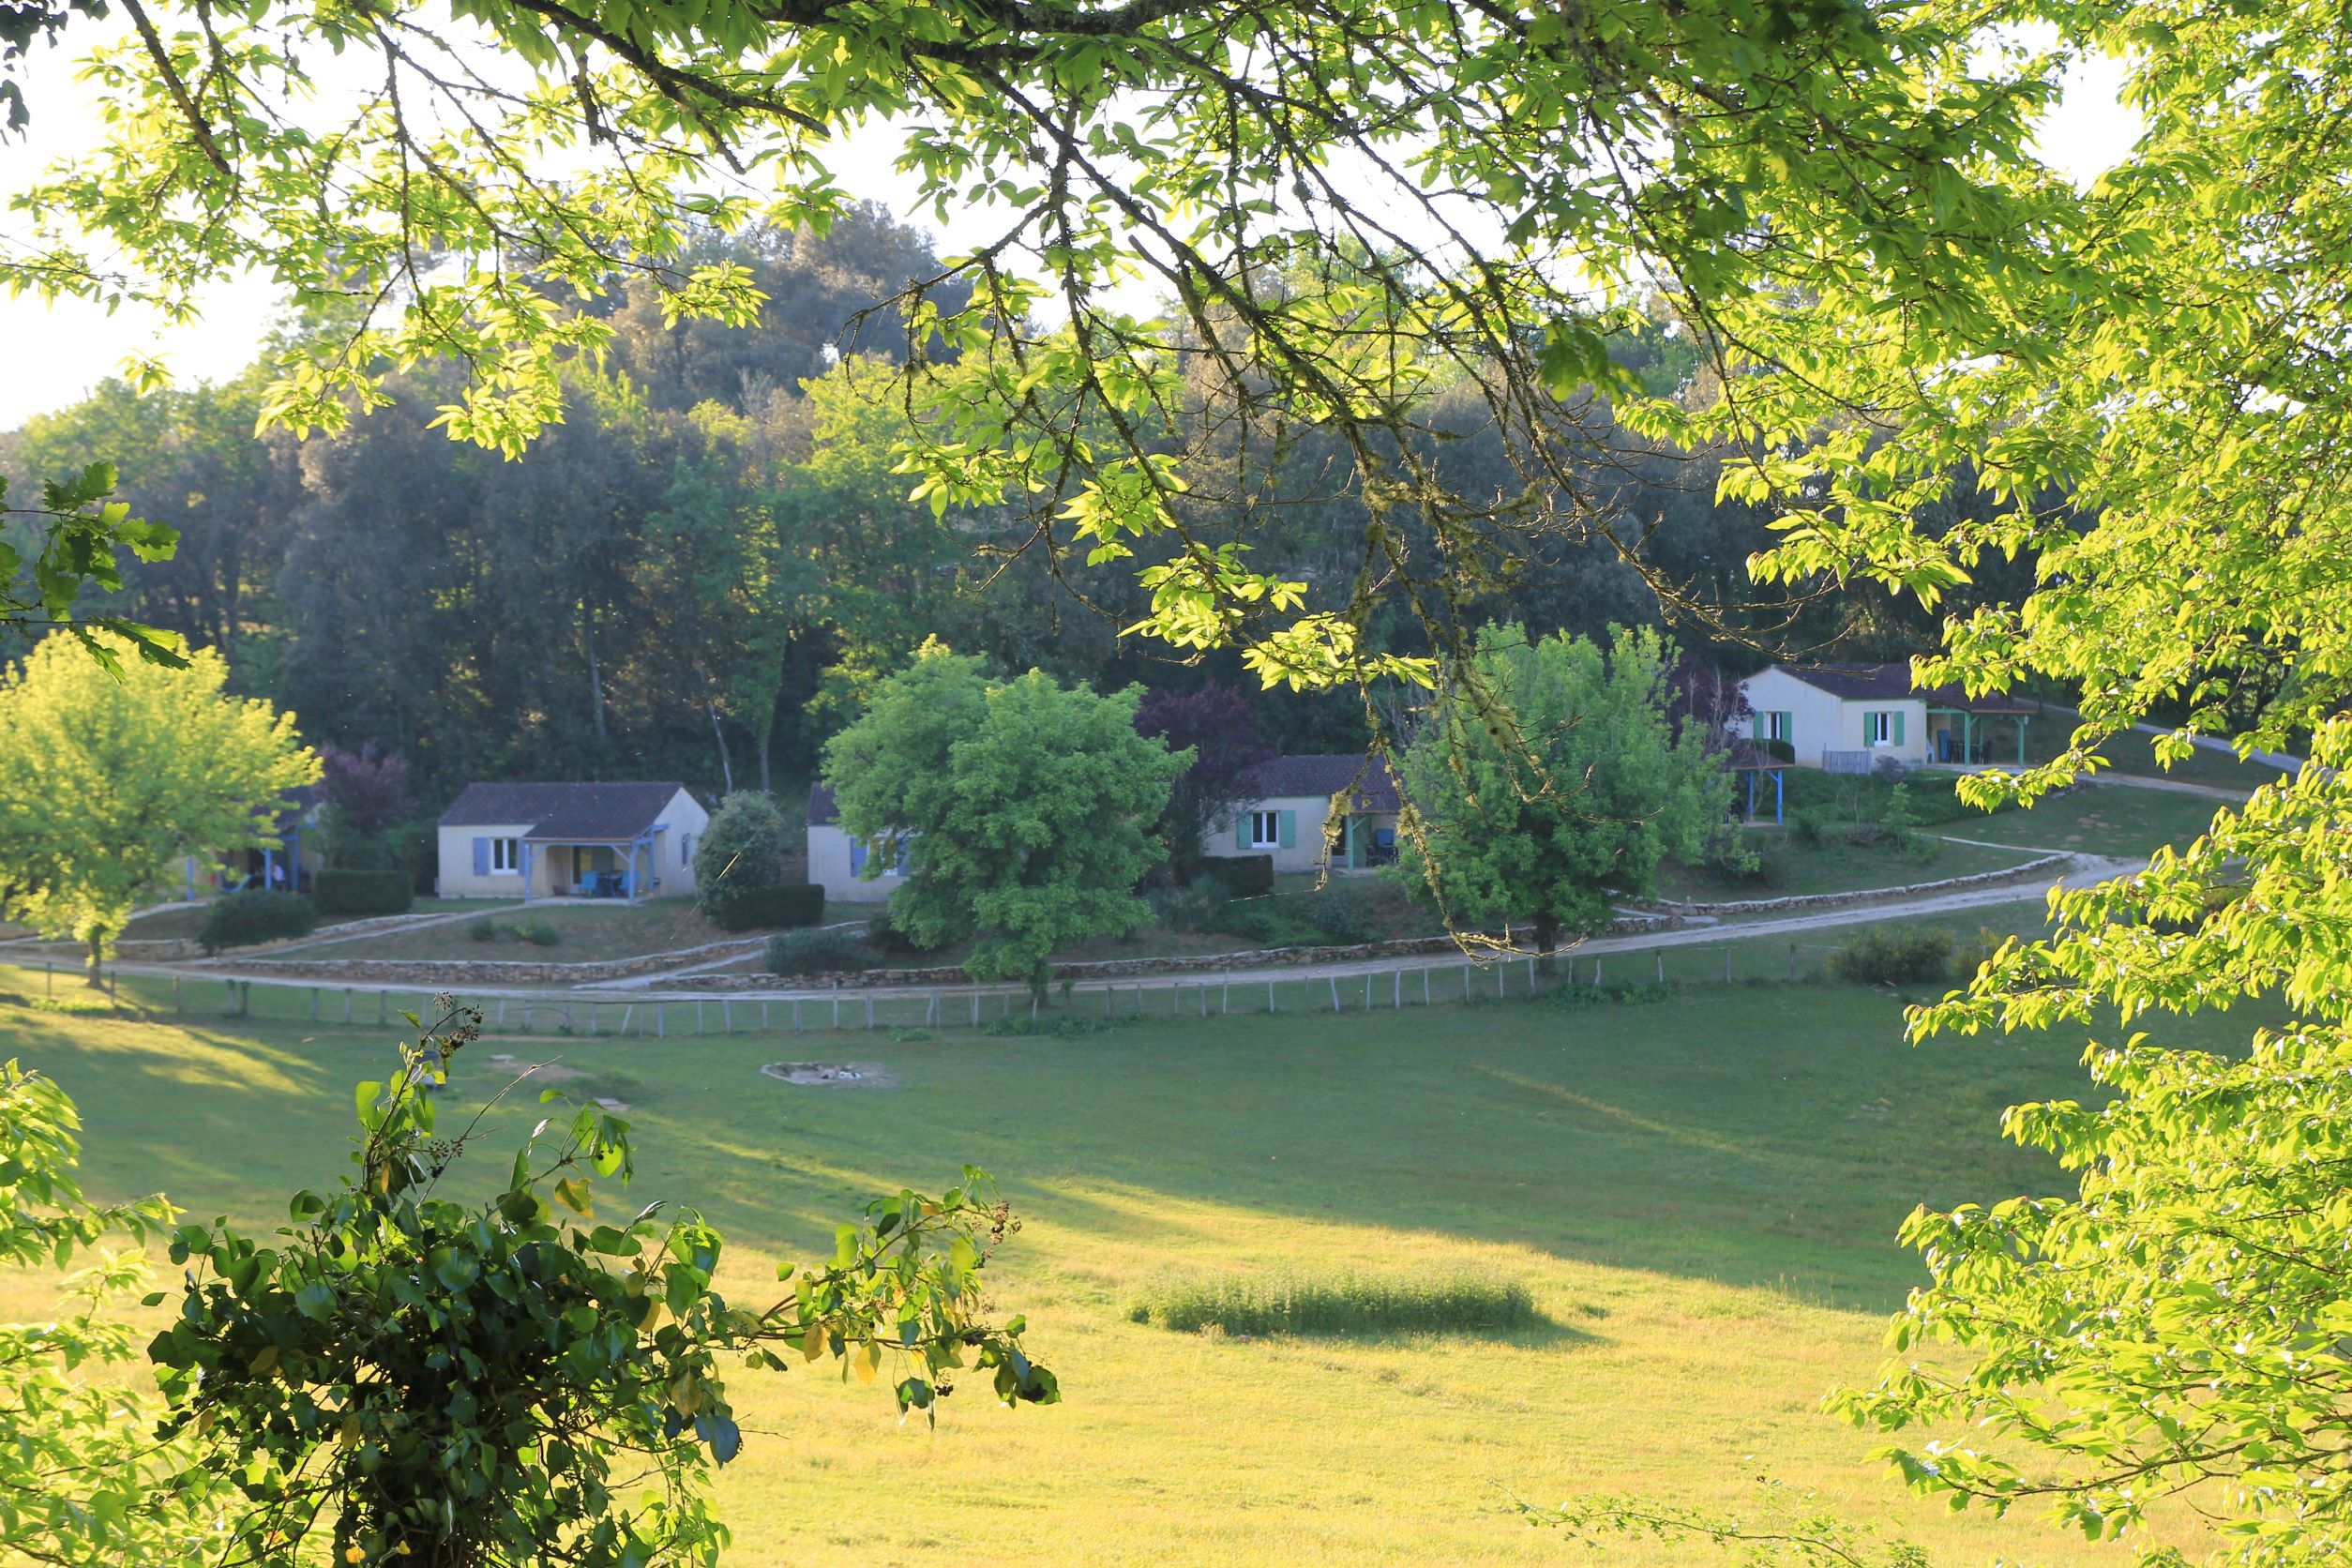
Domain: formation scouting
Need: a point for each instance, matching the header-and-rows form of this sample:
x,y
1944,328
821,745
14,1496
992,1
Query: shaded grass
x,y
2104,819
1338,1303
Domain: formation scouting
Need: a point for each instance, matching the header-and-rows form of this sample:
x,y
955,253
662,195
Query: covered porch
x,y
1967,731
576,868
1367,840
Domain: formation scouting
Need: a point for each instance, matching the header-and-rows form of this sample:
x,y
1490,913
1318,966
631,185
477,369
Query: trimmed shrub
x,y
257,914
1895,956
530,929
537,932
341,890
1194,907
1242,876
482,929
1782,750
821,950
753,909
1340,916
884,936
1340,1303
739,854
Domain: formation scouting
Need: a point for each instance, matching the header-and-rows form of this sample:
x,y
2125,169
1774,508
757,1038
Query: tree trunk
x,y
595,679
726,768
1546,946
96,979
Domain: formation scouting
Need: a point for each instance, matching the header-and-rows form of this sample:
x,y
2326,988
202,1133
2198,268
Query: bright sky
x,y
54,354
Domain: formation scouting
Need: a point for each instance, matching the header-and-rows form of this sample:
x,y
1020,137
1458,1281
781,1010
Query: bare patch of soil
x,y
836,1075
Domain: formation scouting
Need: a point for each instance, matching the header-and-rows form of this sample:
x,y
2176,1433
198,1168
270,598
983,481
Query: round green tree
x,y
741,852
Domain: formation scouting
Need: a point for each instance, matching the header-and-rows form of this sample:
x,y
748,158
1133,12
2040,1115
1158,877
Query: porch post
x,y
2021,740
527,858
294,859
1779,780
1751,795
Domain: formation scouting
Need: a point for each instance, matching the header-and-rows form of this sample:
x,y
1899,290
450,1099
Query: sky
x,y
53,354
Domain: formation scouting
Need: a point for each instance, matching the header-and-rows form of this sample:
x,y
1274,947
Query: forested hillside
x,y
697,571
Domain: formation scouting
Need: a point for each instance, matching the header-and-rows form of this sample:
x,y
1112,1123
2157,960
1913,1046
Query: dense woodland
x,y
698,572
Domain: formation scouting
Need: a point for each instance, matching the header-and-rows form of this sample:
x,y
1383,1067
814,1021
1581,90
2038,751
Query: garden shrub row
x,y
339,890
257,914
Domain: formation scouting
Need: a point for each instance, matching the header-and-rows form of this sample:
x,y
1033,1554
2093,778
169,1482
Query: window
x,y
1777,727
686,849
506,856
1265,830
1878,728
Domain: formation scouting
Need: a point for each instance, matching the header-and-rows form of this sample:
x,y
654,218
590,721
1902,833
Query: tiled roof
x,y
1326,773
588,812
1865,682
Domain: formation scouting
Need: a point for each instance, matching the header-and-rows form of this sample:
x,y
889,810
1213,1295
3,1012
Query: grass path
x,y
1701,1192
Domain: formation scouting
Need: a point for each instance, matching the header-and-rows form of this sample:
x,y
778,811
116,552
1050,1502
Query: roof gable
x,y
1326,774
1885,683
564,811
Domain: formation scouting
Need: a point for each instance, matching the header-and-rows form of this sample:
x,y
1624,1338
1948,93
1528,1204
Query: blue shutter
x,y
481,857
857,856
1289,829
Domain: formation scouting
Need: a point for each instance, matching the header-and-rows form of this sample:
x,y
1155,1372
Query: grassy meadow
x,y
1699,1194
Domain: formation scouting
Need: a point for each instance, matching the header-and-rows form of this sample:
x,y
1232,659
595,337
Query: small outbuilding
x,y
533,841
1846,718
1290,803
838,862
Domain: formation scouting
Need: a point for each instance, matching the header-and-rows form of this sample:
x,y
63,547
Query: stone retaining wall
x,y
1797,902
473,971
1120,969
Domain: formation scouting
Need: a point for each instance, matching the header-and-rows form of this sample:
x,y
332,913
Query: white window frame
x,y
1265,830
1879,728
505,857
1777,725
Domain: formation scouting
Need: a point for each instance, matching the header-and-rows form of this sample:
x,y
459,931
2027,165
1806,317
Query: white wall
x,y
1309,814
829,865
1820,722
457,879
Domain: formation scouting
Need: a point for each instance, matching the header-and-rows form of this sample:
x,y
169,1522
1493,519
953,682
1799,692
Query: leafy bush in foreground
x,y
1340,1303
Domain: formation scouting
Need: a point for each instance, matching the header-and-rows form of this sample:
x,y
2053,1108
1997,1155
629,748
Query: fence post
x,y
727,1015
1596,974
1503,975
526,1018
1424,986
1204,999
502,1013
315,998
1225,998
1270,1001
1334,991
1033,1007
870,1009
347,1005
1660,966
661,1024
795,1014
1726,966
1466,980
1396,991
1793,960
178,1007
379,1004
1531,974
931,1013
591,1020
49,979
1108,991
698,1015
836,1011
1368,991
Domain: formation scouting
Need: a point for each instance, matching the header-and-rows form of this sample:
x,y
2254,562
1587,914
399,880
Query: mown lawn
x,y
586,930
1789,867
2106,820
1701,1192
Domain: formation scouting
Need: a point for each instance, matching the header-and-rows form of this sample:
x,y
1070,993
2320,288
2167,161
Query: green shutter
x,y
1755,728
1289,829
1898,726
1789,728
1241,830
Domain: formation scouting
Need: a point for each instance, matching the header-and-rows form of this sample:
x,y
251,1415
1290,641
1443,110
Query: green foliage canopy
x,y
108,779
1550,782
1028,808
741,852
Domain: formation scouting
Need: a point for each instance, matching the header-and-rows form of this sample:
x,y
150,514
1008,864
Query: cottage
x,y
1846,718
838,862
1286,802
533,841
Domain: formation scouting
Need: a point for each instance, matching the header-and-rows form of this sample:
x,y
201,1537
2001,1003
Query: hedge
x,y
824,950
257,914
753,909
350,892
1245,876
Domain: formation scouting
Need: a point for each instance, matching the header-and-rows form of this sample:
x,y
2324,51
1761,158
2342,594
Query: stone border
x,y
1796,902
1115,969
